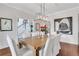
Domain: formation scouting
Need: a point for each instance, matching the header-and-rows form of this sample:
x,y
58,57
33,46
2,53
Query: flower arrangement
x,y
44,29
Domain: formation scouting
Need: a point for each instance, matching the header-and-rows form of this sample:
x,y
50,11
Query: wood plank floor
x,y
69,50
5,52
66,50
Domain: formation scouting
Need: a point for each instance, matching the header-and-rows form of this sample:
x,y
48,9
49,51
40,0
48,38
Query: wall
x,y
14,14
73,39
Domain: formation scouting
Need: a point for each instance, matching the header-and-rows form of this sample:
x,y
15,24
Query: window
x,y
23,27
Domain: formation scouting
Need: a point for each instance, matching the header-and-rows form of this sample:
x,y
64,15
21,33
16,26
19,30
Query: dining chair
x,y
51,47
35,33
56,45
15,51
25,35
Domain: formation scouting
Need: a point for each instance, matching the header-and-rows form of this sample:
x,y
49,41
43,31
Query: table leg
x,y
37,52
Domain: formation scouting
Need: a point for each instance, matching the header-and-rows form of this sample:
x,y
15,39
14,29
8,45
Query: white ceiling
x,y
34,8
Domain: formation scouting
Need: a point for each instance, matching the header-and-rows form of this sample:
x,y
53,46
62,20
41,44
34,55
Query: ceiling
x,y
34,8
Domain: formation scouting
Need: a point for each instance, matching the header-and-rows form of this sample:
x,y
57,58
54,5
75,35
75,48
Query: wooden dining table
x,y
36,42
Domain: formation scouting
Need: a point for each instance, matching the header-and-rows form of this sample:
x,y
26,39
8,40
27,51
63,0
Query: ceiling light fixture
x,y
42,14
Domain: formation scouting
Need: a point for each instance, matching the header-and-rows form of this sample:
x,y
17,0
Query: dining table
x,y
36,42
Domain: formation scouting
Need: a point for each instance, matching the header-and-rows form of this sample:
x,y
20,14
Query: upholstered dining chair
x,y
52,46
35,33
56,44
25,35
15,51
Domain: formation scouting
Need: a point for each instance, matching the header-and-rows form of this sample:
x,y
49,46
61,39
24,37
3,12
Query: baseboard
x,y
70,43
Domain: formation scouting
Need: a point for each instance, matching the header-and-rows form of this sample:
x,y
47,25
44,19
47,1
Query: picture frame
x,y
5,24
63,25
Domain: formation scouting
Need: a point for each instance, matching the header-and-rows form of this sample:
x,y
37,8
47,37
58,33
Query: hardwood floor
x,y
5,52
69,50
66,50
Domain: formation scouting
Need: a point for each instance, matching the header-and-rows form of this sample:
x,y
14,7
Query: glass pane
x,y
23,28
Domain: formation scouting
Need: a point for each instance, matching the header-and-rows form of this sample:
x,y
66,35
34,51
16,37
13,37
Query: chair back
x,y
48,47
25,35
56,45
35,33
15,50
52,44
11,46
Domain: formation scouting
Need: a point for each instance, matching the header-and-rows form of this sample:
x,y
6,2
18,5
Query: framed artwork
x,y
63,25
5,24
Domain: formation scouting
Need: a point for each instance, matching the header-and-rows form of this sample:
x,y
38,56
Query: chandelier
x,y
42,14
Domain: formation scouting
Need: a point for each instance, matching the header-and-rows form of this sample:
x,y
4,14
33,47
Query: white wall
x,y
73,39
14,14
